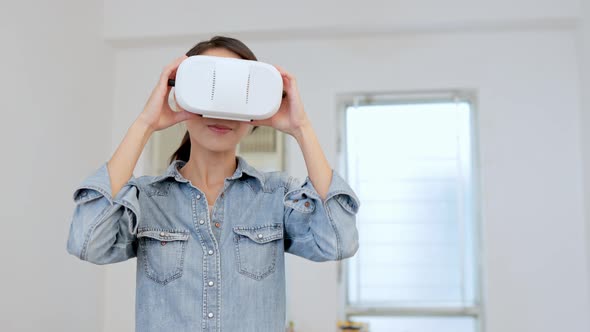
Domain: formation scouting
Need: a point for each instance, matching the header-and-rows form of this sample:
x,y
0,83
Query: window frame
x,y
345,100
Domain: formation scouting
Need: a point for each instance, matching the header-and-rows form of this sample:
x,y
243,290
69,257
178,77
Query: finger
x,y
163,90
174,64
286,83
289,81
280,69
291,78
289,84
288,78
170,70
285,72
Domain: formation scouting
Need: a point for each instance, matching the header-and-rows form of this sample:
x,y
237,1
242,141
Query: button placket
x,y
217,214
208,233
216,219
210,260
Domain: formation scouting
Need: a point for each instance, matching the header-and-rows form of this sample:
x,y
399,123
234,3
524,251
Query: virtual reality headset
x,y
228,88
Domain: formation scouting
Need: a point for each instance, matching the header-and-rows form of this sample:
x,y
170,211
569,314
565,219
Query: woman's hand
x,y
157,114
290,117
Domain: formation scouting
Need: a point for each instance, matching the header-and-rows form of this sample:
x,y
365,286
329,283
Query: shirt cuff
x,y
98,184
339,189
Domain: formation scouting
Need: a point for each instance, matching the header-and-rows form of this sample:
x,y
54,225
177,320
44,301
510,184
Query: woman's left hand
x,y
290,117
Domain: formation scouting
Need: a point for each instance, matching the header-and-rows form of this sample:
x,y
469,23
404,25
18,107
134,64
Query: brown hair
x,y
231,44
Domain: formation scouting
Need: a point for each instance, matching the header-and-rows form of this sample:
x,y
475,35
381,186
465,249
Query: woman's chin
x,y
217,146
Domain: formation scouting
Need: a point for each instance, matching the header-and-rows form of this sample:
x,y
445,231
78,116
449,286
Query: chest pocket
x,y
256,248
162,253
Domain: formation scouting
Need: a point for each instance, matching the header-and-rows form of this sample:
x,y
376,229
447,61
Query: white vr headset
x,y
228,88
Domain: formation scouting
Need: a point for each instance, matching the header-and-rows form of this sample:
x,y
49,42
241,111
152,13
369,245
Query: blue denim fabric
x,y
188,278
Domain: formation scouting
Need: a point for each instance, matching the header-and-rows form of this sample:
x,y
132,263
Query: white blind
x,y
411,165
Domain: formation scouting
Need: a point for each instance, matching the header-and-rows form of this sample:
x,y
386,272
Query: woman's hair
x,y
231,44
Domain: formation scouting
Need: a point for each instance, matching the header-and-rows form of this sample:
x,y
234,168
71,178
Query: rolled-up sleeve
x,y
321,230
103,228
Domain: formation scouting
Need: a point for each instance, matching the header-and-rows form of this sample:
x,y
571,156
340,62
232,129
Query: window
x,y
412,163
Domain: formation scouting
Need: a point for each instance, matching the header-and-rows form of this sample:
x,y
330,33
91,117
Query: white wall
x,y
55,105
585,111
129,20
527,79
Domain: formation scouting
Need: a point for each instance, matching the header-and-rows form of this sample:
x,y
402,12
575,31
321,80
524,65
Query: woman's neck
x,y
209,168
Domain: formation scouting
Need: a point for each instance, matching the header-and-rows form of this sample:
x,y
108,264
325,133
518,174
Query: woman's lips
x,y
219,129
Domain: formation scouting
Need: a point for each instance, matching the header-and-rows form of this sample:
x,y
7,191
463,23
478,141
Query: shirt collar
x,y
243,167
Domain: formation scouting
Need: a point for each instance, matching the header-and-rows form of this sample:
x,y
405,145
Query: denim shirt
x,y
219,274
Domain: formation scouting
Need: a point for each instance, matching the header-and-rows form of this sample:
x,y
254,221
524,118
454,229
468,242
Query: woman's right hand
x,y
157,114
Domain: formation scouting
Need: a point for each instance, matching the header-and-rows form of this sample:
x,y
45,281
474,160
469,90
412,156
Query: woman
x,y
211,232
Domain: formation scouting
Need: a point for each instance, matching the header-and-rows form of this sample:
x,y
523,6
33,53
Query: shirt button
x,y
210,252
210,315
260,236
162,233
198,196
217,224
201,221
210,283
306,204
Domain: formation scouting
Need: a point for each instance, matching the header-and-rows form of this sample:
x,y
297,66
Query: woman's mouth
x,y
219,129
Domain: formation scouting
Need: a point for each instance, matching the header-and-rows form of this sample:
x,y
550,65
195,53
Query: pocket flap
x,y
261,233
164,235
